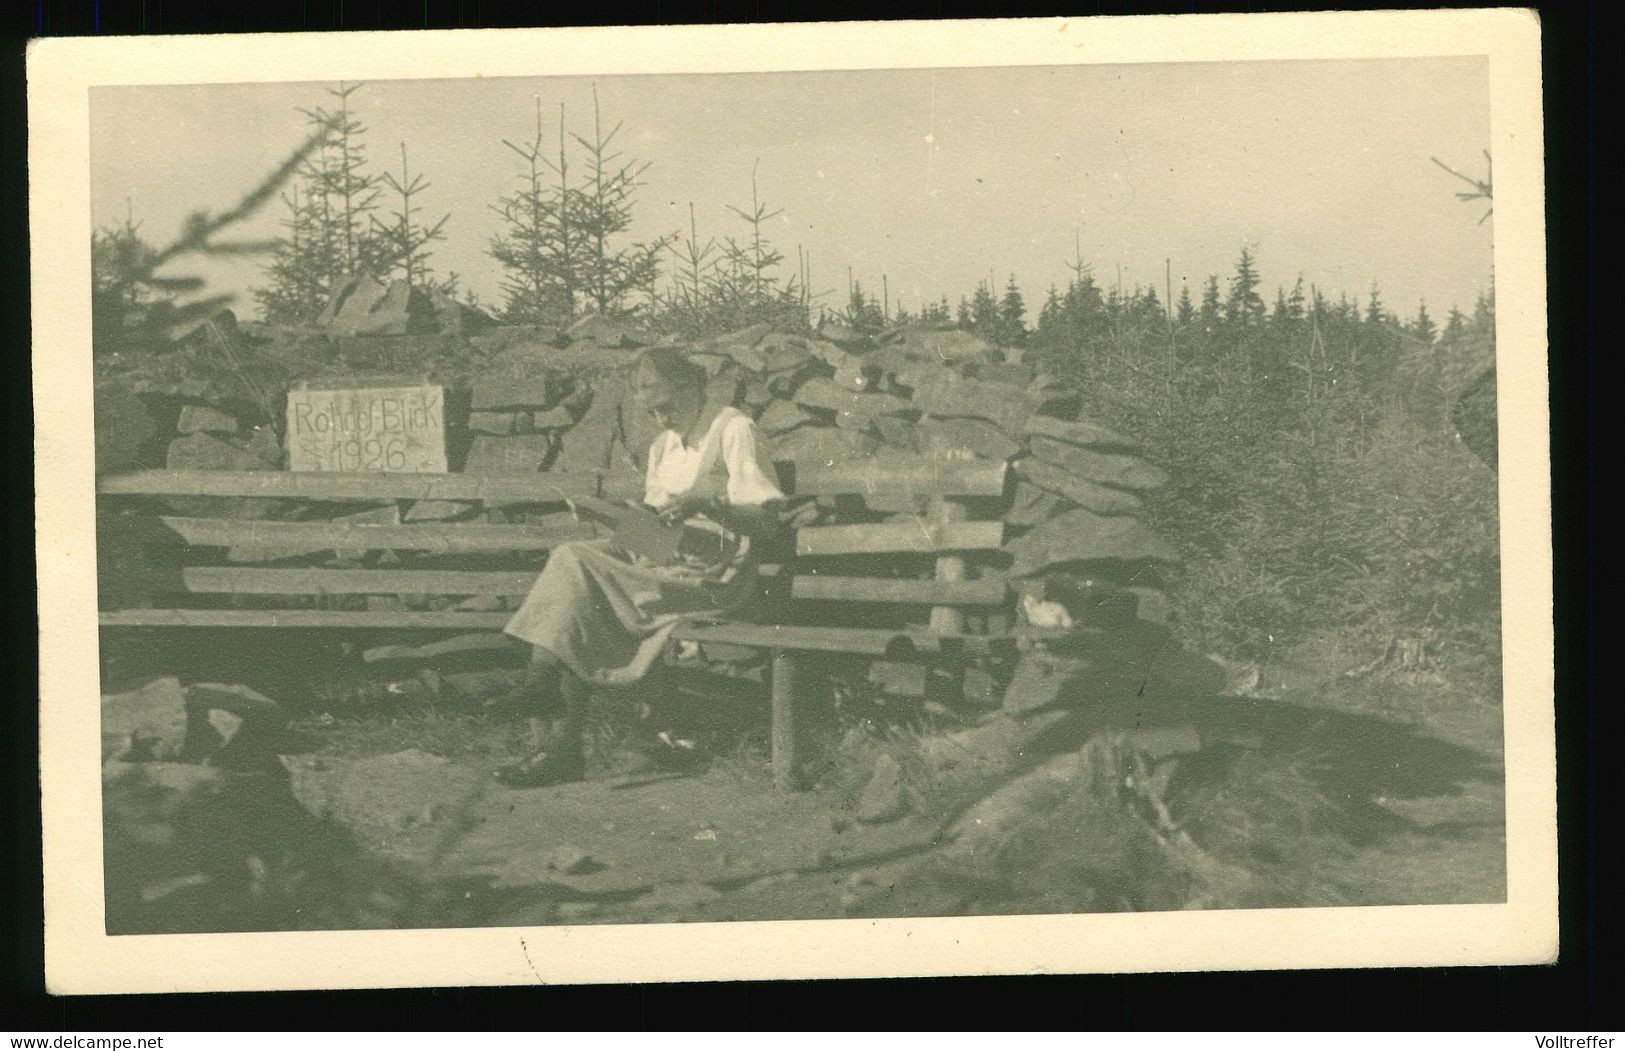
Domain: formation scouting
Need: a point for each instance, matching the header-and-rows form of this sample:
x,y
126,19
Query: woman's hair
x,y
672,368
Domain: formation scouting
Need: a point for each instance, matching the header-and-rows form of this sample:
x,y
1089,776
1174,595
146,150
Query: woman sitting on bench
x,y
601,613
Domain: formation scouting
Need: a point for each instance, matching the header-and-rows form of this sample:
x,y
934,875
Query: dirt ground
x,y
1405,774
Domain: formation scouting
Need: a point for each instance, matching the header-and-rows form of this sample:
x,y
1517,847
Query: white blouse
x,y
725,462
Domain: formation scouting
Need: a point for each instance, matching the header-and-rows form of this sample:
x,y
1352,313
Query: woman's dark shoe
x,y
551,766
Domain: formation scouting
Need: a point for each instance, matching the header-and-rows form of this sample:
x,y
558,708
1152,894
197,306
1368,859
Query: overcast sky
x,y
936,179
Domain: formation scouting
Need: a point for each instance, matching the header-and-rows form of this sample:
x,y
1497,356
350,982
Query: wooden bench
x,y
914,578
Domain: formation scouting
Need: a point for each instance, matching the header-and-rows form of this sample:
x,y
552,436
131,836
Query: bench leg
x,y
786,688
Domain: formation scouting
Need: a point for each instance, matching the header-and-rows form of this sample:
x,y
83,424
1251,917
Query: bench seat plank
x,y
302,618
448,538
986,592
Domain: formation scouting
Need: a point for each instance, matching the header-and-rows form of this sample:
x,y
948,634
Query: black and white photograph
x,y
532,486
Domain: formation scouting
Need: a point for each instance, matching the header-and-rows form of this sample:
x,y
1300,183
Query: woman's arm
x,y
753,496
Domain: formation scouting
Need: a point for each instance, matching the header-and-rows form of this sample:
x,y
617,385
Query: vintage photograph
x,y
626,498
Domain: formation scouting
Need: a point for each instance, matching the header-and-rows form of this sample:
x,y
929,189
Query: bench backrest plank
x,y
897,537
447,538
891,477
313,580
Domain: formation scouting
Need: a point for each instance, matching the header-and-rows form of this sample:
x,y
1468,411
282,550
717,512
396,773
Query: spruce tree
x,y
599,211
1186,310
1244,307
532,290
1423,328
330,231
1209,313
403,238
984,312
1011,329
1455,326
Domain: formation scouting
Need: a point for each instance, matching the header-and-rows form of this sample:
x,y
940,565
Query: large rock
x,y
825,394
1127,472
1030,505
1077,433
1083,536
518,453
1042,680
145,724
258,451
218,723
966,435
757,349
829,445
949,346
586,446
123,427
1101,499
940,391
781,416
365,306
519,384
844,336
207,452
457,318
610,333
206,418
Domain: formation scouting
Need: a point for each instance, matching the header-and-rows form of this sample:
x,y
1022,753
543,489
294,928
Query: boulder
x,y
947,346
1126,472
205,418
884,797
517,384
1030,505
145,724
519,453
844,336
209,452
366,307
742,346
898,433
220,724
558,418
612,333
828,445
1042,680
1083,536
1001,372
1101,499
123,427
965,435
825,394
942,392
457,318
586,446
1077,433
781,416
